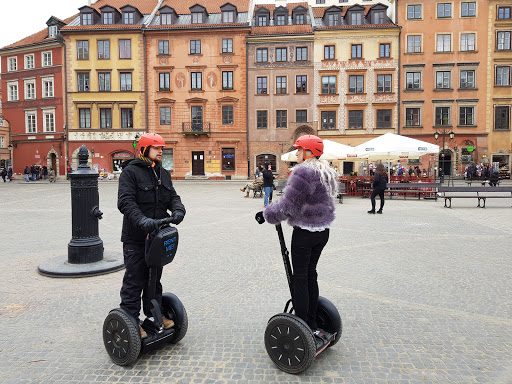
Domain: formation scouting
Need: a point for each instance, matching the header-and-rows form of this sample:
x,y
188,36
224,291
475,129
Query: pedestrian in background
x,y
268,182
4,173
27,173
52,175
9,174
379,186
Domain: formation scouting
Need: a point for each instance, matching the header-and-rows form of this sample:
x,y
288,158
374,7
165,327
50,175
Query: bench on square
x,y
492,181
342,190
428,190
480,193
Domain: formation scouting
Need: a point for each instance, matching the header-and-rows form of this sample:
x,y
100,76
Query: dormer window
x,y
52,31
281,20
300,19
333,19
108,18
197,18
262,16
379,17
228,17
262,21
128,17
86,18
356,18
165,19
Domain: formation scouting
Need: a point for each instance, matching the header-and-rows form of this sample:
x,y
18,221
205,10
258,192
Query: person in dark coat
x,y
379,186
145,195
268,182
4,173
27,173
9,174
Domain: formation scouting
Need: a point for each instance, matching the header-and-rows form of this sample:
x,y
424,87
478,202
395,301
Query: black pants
x,y
306,249
376,192
135,281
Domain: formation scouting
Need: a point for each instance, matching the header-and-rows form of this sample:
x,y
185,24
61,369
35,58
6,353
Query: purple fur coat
x,y
306,202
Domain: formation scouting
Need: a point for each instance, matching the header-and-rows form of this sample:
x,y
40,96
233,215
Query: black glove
x,y
148,225
177,217
259,217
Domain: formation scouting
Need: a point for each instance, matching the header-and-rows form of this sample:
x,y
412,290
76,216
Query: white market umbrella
x,y
394,147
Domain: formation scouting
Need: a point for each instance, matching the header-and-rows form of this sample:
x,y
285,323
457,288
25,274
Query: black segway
x,y
121,334
289,341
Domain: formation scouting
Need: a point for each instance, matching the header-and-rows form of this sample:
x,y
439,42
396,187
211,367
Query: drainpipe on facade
x,y
247,106
146,76
399,75
66,126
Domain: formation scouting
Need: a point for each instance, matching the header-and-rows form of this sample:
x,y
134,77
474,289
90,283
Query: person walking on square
x,y
379,186
268,182
27,173
145,195
4,173
9,174
308,205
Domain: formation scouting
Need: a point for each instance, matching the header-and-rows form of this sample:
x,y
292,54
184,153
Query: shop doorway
x,y
445,162
348,167
118,158
197,163
53,162
503,164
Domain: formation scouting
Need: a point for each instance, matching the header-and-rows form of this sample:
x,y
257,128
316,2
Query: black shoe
x,y
379,211
372,211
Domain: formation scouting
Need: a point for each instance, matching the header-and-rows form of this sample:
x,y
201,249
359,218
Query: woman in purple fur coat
x,y
308,206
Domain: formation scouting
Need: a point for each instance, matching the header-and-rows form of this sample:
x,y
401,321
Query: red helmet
x,y
148,139
311,142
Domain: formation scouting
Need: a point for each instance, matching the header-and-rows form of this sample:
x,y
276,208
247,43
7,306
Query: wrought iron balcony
x,y
191,128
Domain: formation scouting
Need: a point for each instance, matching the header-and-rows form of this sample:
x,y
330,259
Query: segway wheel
x,y
121,337
328,318
290,344
175,310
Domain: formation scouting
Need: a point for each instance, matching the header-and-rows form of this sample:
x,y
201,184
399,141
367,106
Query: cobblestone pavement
x,y
424,292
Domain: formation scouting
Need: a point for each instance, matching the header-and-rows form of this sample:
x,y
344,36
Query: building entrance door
x,y
197,163
445,162
53,160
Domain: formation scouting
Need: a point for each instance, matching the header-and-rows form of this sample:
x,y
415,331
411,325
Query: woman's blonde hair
x,y
328,175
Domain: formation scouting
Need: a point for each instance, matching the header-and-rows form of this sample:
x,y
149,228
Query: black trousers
x,y
135,281
306,249
376,192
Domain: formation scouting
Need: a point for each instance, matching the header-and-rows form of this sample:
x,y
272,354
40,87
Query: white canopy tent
x,y
394,147
332,151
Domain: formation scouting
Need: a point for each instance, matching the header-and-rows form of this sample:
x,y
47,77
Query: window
x,y
503,40
356,84
467,42
261,119
443,79
49,121
355,119
47,59
52,31
82,47
165,115
83,82
163,47
281,54
301,115
164,81
328,120
442,115
302,84
195,47
125,49
281,119
357,51
329,85
301,53
30,89
504,13
281,85
167,159
12,64
468,9
227,45
29,61
502,118
126,81
197,17
47,87
412,117
197,118
356,18
128,17
466,116
85,117
105,118
12,91
126,118
196,81
103,49
165,19
328,52
413,12
383,118
228,17
87,19
320,1
227,80
444,10
104,81
414,44
228,159
333,19
262,21
503,76
413,80
444,43
281,20
227,114
300,19
108,18
30,122
384,83
467,79
378,17
384,50
261,55
261,87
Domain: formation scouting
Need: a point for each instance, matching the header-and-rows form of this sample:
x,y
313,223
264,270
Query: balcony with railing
x,y
196,128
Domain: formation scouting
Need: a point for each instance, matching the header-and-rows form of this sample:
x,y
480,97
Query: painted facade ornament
x,y
212,80
164,60
227,59
180,80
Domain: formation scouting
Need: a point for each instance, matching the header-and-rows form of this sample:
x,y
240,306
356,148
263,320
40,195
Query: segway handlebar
x,y
165,221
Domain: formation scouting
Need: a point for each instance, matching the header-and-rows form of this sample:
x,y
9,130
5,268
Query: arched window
x,y
267,158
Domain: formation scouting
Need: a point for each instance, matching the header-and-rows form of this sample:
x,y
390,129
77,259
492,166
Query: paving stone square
x,y
425,292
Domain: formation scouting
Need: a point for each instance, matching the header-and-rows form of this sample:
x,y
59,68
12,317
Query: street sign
x,y
134,144
470,148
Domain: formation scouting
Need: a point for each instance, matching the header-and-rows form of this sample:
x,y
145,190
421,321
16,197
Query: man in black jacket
x,y
145,195
268,182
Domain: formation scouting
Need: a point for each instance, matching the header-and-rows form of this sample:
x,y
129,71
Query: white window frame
x,y
469,2
414,18
52,31
46,113
465,105
51,89
505,42
2,141
465,40
29,129
414,36
44,57
27,59
28,82
10,95
12,64
441,42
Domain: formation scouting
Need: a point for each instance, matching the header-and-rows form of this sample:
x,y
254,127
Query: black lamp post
x,y
444,132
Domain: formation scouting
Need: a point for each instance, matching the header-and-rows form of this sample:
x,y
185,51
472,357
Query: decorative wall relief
x,y
180,80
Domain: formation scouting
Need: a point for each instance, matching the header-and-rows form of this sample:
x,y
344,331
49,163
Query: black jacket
x,y
380,182
268,178
144,191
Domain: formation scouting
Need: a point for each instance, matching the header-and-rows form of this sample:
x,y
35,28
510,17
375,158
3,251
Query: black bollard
x,y
85,245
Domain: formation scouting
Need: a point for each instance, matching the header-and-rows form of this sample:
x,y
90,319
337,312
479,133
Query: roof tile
x,y
182,7
283,30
